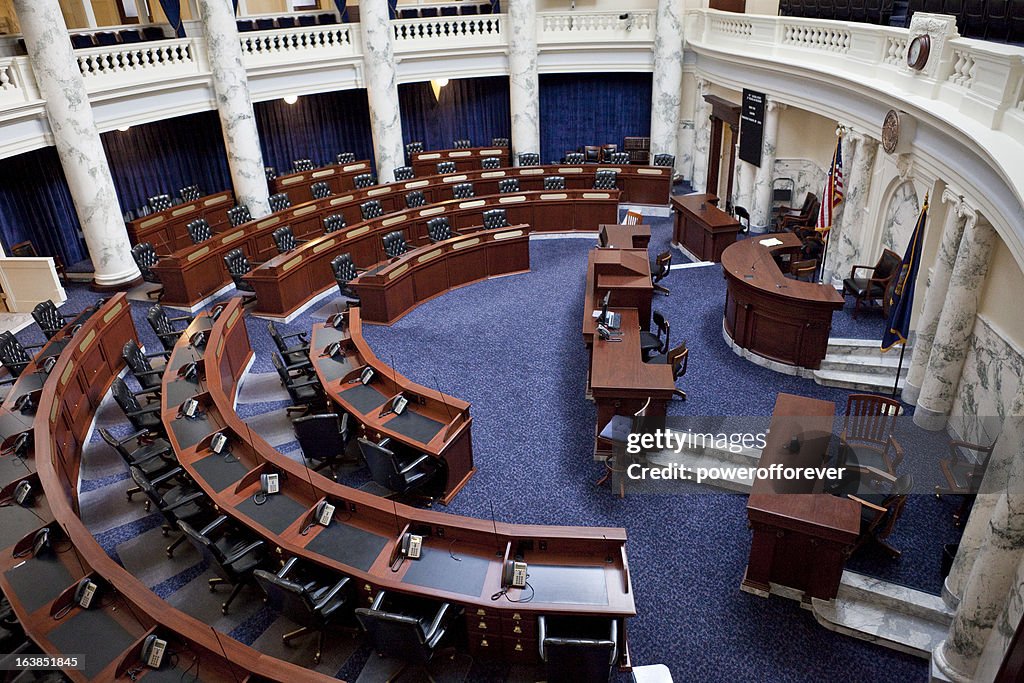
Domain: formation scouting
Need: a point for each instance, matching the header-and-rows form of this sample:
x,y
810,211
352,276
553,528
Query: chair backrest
x,y
438,229
618,158
159,202
663,160
307,20
574,158
446,167
606,180
592,154
199,230
190,193
237,215
495,218
269,172
280,201
499,142
490,162
554,182
463,191
124,398
371,209
414,199
662,266
302,165
287,597
404,173
462,143
584,650
870,418
284,239
888,265
529,159
320,190
394,635
334,223
237,264
383,465
12,354
48,318
145,257
506,185
318,435
633,218
265,24
139,364
275,335
607,151
25,248
346,158
282,372
207,549
413,148
158,320
394,244
344,269
679,359
810,201
364,180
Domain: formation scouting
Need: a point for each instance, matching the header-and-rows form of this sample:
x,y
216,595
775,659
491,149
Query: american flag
x,y
833,193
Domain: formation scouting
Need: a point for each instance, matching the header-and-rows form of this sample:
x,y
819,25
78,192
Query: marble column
x,y
77,140
523,82
701,137
743,185
958,215
956,324
237,120
381,87
990,585
667,84
761,208
850,224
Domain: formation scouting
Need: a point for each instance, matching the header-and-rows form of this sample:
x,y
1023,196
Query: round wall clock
x,y
918,50
891,131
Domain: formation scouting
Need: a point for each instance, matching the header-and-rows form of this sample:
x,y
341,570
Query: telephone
x,y
198,339
218,442
514,574
399,404
47,365
153,651
323,513
189,409
23,494
215,313
339,320
412,546
333,350
24,403
41,542
85,592
604,333
75,329
189,372
20,445
366,376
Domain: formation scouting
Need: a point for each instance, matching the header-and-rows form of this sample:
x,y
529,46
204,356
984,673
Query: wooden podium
x,y
701,227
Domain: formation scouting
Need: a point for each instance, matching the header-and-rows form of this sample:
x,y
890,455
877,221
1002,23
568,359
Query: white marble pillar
x,y
958,216
381,87
1002,631
523,82
701,137
851,220
743,185
991,582
667,84
761,203
234,106
77,140
956,324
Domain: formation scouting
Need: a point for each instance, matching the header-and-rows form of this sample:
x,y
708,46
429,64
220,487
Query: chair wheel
x,y
170,553
316,658
146,506
224,609
164,532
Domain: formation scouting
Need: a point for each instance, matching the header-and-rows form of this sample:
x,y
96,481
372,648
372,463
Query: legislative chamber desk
x,y
389,292
338,178
108,638
701,227
801,536
572,570
782,319
167,230
466,159
627,236
626,273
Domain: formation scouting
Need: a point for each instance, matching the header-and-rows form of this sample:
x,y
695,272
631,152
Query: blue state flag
x,y
901,303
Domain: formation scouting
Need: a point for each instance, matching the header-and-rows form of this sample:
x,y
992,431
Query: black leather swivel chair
x,y
495,218
13,355
446,167
334,223
163,325
320,190
462,143
143,418
364,180
371,209
577,648
323,439
284,239
499,142
490,162
529,159
233,557
305,392
199,231
182,502
280,201
657,341
415,199
606,180
619,158
394,244
418,473
159,202
269,173
345,158
344,272
302,165
403,173
664,160
145,257
506,185
238,267
574,158
413,148
237,215
412,631
554,182
439,229
140,366
154,459
294,356
50,320
463,191
190,193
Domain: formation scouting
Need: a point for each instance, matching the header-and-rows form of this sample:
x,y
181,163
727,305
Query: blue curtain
x,y
172,8
591,109
342,10
316,127
165,156
35,204
472,108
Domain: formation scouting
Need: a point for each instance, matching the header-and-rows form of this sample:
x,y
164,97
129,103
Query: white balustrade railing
x,y
285,44
448,32
150,61
17,83
812,36
562,27
962,74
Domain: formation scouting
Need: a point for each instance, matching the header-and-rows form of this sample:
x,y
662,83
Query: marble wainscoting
x,y
807,177
991,378
900,217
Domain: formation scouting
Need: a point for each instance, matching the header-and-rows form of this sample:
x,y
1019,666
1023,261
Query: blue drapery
x,y
473,108
591,109
316,127
172,8
165,156
35,204
342,10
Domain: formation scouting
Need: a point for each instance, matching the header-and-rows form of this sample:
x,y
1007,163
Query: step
x,y
886,365
838,346
857,381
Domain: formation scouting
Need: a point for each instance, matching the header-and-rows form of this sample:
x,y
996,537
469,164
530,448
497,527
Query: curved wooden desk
x,y
466,159
338,177
771,315
166,230
573,570
287,281
389,292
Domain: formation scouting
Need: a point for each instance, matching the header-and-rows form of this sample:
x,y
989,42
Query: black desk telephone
x,y
189,372
153,650
23,494
190,410
85,593
333,350
513,574
411,546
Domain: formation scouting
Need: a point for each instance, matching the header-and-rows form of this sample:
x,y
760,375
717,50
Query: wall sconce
x,y
291,99
436,86
124,129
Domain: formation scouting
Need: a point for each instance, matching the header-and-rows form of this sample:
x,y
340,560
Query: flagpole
x,y
824,254
899,369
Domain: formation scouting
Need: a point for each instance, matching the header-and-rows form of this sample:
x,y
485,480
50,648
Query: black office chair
x,y
592,154
529,159
418,473
140,366
660,268
403,173
280,202
495,218
507,185
606,180
238,267
439,229
163,325
620,158
237,215
463,191
320,190
742,217
49,319
296,356
314,606
232,556
344,272
578,648
190,193
265,24
394,244
13,355
413,148
284,239
323,439
334,223
302,165
159,202
143,418
364,180
371,209
269,172
664,160
307,20
155,458
446,167
199,230
305,392
145,257
415,199
462,144
574,157
345,158
490,163
657,341
183,502
411,631
554,182
499,142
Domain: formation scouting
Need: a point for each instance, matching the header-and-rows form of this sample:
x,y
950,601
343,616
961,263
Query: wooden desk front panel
x,y
425,163
338,178
701,227
166,230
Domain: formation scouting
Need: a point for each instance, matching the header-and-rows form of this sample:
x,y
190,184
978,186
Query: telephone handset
x,y
24,403
606,334
47,365
399,404
85,592
323,513
215,313
411,546
366,376
190,409
23,494
513,575
75,329
269,485
218,442
339,320
198,339
153,650
333,350
20,446
41,542
189,372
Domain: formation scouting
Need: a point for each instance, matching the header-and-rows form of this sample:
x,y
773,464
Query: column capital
x,y
702,83
969,213
775,105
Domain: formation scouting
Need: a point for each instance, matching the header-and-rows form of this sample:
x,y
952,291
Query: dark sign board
x,y
752,127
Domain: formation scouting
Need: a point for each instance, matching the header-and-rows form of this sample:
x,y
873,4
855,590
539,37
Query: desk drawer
x,y
522,627
477,624
522,650
367,592
485,645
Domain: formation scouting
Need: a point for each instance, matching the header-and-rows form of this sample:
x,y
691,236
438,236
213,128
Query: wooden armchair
x,y
866,441
881,508
788,217
963,476
877,285
611,441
